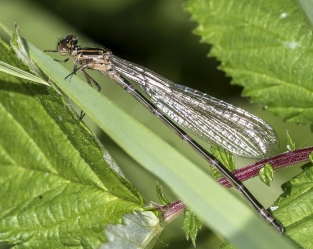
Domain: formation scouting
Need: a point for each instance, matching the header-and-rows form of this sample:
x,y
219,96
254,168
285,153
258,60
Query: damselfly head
x,y
66,45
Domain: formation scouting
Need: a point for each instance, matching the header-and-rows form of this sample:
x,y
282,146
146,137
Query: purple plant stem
x,y
176,208
277,162
170,211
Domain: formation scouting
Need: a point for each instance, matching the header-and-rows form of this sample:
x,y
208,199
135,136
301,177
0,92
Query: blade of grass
x,y
229,216
219,209
6,68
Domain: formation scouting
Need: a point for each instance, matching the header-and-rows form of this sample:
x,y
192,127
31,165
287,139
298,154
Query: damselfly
x,y
212,120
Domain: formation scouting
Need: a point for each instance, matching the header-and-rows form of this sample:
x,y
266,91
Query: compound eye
x,y
73,40
63,49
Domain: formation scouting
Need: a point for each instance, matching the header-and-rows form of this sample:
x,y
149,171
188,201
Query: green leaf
x,y
227,246
266,47
295,208
59,187
20,50
291,146
224,157
266,174
311,157
161,196
192,225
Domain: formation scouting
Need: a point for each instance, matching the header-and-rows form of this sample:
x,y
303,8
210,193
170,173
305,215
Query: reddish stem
x,y
176,208
170,211
277,162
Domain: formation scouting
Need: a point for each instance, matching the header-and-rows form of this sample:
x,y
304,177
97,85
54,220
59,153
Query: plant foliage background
x,y
157,34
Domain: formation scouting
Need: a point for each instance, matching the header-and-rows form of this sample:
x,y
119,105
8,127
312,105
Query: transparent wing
x,y
210,119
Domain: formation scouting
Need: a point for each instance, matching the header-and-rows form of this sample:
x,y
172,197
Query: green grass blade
x,y
6,68
307,8
219,208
